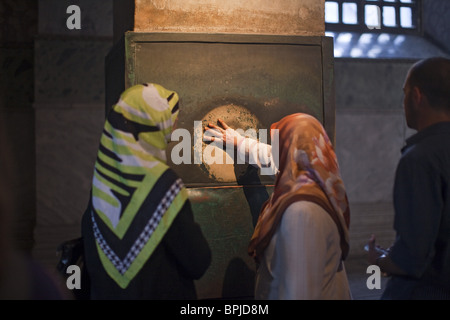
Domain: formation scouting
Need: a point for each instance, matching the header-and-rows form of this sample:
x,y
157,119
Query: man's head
x,y
427,92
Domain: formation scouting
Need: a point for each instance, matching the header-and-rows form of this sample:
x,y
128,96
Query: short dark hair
x,y
432,77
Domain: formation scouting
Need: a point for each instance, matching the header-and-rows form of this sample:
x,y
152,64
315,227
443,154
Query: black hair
x,y
432,77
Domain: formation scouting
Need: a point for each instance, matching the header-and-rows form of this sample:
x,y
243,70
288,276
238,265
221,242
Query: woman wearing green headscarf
x,y
140,237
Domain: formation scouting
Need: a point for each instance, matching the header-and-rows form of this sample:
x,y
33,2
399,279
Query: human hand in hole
x,y
227,135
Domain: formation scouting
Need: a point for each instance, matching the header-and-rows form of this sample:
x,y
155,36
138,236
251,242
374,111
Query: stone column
x,y
18,25
69,108
224,58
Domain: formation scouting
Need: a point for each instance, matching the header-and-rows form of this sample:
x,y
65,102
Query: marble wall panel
x,y
70,70
96,17
370,132
370,84
368,148
370,125
67,138
17,166
16,77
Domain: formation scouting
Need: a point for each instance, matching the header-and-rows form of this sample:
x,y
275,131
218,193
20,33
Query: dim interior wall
x,y
18,25
123,18
370,132
69,100
368,142
436,24
96,18
17,165
69,95
17,115
69,109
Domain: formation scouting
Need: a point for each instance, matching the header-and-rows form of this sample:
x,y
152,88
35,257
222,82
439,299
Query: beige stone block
x,y
293,17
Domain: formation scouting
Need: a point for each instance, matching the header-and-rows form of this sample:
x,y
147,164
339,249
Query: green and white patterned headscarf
x,y
135,196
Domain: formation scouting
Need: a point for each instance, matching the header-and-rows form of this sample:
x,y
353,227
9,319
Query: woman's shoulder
x,y
304,207
306,212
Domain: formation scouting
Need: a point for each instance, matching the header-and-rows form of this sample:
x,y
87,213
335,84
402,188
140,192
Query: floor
x,y
47,240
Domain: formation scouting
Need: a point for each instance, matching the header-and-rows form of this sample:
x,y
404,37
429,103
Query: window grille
x,y
379,16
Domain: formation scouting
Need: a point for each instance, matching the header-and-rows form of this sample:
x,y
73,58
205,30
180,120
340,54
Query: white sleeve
x,y
257,154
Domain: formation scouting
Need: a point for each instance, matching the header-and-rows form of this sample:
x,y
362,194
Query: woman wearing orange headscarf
x,y
301,238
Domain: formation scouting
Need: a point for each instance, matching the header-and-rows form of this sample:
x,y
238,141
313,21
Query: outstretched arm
x,y
249,150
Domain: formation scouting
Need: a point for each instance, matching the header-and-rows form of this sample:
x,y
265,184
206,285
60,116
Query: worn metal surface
x,y
227,216
266,76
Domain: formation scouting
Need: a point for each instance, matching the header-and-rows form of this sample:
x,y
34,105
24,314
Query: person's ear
x,y
417,96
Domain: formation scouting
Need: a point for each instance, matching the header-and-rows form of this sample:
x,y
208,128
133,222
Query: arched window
x,y
378,29
379,16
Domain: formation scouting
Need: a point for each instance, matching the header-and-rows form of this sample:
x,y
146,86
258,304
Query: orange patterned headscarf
x,y
308,170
